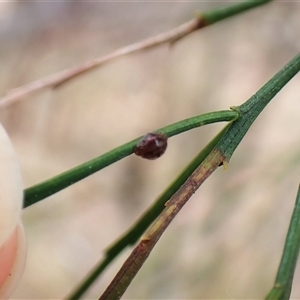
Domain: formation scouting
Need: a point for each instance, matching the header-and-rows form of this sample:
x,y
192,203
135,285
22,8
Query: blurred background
x,y
227,241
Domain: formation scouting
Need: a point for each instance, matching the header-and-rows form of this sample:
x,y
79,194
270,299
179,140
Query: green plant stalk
x,y
250,110
283,283
53,185
221,154
220,14
136,231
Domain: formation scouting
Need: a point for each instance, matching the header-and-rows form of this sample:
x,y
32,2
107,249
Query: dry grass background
x,y
227,241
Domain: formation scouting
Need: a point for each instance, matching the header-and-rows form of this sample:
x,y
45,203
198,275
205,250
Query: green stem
x,y
219,155
225,12
228,141
136,231
55,184
250,110
283,283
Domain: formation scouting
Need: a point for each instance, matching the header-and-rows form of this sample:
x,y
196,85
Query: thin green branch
x,y
221,154
283,283
220,14
53,185
250,110
135,232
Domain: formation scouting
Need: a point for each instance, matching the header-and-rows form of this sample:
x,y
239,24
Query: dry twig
x,y
62,77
